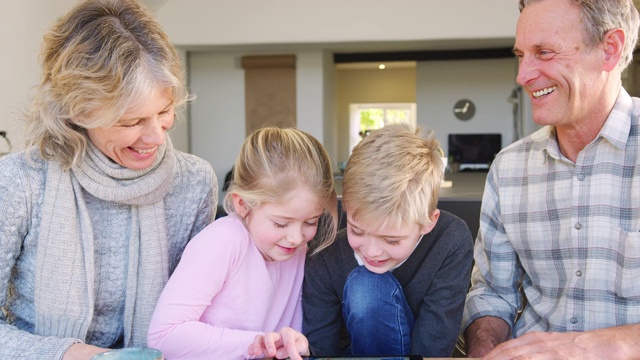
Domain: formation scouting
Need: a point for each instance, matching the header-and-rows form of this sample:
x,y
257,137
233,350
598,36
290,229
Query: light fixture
x,y
381,66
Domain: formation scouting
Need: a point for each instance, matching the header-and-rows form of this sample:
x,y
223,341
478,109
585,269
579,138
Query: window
x,y
367,117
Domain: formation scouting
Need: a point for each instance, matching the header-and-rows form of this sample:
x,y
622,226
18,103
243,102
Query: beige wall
x,y
369,86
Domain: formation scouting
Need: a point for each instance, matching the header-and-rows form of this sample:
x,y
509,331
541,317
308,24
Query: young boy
x,y
395,280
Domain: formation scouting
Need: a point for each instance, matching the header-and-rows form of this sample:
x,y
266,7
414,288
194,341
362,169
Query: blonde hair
x,y
98,60
393,177
275,161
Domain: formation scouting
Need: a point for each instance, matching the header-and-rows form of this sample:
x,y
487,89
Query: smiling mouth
x,y
288,250
143,151
546,91
376,262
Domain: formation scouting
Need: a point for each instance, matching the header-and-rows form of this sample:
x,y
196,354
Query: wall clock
x,y
464,109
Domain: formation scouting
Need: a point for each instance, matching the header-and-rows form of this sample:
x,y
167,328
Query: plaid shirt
x,y
568,233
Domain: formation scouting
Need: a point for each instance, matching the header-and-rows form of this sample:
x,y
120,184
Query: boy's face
x,y
382,249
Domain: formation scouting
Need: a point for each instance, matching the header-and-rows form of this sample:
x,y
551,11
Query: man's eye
x,y
545,54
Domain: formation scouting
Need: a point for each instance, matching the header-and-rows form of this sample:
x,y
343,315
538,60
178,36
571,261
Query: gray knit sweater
x,y
189,206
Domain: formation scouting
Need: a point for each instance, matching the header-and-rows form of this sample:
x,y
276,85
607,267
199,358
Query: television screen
x,y
474,151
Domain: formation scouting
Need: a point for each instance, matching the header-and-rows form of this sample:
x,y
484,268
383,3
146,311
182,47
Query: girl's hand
x,y
285,343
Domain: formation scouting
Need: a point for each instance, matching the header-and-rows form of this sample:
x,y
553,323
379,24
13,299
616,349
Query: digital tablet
x,y
355,357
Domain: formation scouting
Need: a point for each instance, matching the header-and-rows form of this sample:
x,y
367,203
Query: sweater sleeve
x,y
325,275
440,314
15,207
176,328
209,201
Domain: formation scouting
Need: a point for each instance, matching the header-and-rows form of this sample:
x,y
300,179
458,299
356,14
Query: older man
x,y
561,210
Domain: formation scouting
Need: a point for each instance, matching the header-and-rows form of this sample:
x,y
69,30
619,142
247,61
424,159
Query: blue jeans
x,y
376,314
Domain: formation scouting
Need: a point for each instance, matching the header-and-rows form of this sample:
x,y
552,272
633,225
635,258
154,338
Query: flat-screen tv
x,y
474,151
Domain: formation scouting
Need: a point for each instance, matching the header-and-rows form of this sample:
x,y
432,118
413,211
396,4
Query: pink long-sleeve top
x,y
223,293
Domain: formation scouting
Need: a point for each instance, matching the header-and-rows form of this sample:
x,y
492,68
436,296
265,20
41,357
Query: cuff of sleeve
x,y
58,349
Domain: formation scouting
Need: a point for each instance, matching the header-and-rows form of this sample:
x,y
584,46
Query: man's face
x,y
563,76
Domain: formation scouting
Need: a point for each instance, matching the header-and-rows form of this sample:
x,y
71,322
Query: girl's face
x,y
133,141
383,248
279,229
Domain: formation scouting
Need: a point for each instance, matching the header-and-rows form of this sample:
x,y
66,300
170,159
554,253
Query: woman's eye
x,y
355,233
391,242
129,125
281,226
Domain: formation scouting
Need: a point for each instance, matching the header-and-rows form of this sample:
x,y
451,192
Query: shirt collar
x,y
615,130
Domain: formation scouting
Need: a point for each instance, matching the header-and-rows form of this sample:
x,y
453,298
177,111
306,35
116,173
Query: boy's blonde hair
x,y
393,177
275,161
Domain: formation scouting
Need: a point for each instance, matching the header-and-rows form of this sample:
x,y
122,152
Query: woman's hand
x,y
285,343
82,351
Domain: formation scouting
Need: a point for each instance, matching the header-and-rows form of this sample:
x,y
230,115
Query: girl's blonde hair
x,y
98,60
275,161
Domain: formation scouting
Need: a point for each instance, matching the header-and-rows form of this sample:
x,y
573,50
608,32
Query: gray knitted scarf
x,y
64,283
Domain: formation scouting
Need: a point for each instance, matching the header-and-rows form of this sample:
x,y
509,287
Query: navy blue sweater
x,y
435,280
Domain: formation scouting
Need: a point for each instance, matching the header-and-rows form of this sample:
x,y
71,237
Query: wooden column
x,y
270,91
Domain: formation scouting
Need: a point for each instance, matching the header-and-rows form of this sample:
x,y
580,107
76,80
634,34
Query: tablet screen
x,y
406,357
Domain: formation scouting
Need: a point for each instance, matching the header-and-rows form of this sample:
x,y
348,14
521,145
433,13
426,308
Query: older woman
x,y
97,210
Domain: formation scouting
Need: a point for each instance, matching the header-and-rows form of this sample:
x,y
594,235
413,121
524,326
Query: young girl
x,y
236,292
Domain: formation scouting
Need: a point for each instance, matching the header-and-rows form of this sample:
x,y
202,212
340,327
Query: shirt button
x,y
581,176
578,226
573,320
578,273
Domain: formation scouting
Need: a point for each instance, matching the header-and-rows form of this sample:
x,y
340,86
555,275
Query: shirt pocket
x,y
627,265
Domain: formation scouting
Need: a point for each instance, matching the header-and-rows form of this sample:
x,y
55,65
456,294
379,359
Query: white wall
x,y
251,22
488,83
21,29
313,29
217,125
217,115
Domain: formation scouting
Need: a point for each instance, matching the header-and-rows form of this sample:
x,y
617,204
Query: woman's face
x,y
133,141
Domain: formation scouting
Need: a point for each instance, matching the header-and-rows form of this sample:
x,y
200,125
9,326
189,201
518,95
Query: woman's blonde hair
x,y
275,161
393,177
98,60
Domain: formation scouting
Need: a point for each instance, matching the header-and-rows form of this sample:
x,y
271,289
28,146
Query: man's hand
x,y
285,343
620,342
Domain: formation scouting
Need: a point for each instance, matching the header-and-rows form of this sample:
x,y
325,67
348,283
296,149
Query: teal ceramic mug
x,y
134,353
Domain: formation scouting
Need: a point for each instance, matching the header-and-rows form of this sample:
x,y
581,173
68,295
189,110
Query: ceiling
x,y
374,65
402,64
